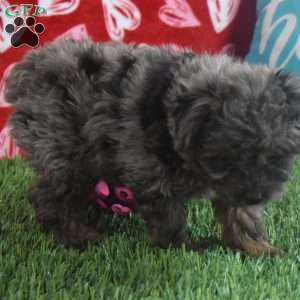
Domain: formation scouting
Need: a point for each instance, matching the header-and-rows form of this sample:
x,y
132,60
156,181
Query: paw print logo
x,y
25,32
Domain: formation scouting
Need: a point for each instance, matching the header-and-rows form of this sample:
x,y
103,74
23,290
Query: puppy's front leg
x,y
243,229
166,223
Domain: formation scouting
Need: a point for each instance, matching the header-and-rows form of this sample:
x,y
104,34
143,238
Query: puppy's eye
x,y
279,161
217,169
273,159
279,167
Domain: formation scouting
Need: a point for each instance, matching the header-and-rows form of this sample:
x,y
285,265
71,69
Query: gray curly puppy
x,y
169,125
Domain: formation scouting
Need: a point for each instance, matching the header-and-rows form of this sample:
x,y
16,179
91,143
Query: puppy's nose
x,y
254,199
263,196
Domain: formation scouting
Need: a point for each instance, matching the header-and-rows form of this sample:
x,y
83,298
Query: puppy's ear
x,y
290,84
191,116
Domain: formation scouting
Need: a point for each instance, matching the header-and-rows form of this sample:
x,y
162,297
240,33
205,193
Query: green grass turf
x,y
33,266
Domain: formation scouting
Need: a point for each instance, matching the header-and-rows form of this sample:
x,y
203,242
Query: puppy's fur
x,y
169,125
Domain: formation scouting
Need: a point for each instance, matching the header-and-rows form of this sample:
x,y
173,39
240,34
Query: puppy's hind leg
x,y
61,204
75,230
243,229
43,200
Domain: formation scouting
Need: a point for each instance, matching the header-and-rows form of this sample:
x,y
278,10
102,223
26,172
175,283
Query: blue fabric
x,y
276,39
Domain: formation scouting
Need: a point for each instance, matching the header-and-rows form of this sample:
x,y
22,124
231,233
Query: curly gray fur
x,y
170,125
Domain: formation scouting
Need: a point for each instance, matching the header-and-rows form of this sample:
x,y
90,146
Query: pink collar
x,y
118,199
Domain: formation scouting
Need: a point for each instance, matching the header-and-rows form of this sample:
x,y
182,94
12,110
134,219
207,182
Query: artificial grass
x,y
33,266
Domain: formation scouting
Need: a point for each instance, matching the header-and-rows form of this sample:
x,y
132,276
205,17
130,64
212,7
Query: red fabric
x,y
203,25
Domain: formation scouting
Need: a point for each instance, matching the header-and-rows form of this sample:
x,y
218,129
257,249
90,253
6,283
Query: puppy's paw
x,y
203,244
259,247
79,235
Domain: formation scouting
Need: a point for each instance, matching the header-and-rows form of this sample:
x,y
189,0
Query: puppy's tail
x,y
37,73
21,78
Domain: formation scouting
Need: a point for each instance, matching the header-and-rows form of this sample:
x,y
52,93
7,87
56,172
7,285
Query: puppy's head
x,y
240,129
